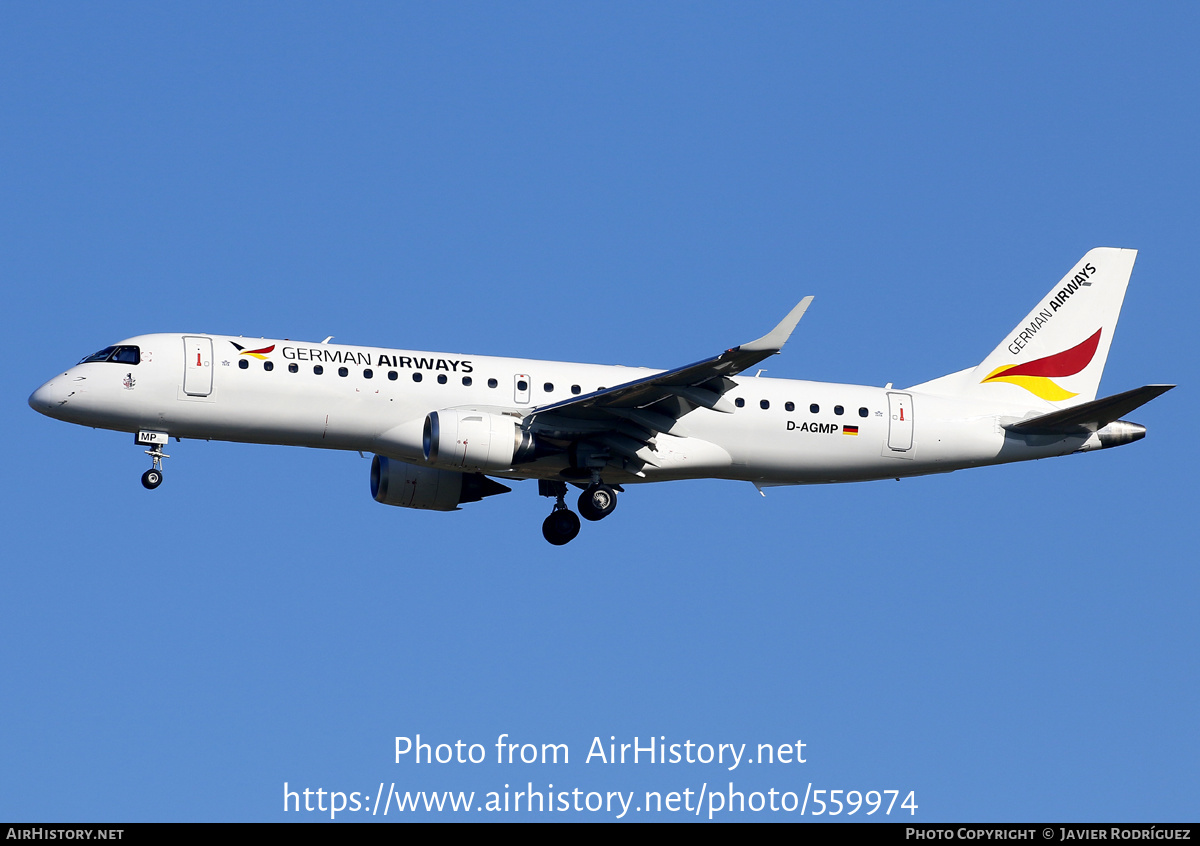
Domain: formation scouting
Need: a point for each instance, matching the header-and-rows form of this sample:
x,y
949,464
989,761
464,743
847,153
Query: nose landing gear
x,y
153,477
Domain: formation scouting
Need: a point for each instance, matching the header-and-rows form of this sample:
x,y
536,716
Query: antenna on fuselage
x,y
327,340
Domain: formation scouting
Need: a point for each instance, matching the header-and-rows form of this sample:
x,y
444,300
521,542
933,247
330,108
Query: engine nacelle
x,y
412,486
475,440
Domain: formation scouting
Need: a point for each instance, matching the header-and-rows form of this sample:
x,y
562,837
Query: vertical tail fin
x,y
1055,356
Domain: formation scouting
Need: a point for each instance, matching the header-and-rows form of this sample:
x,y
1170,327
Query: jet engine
x,y
475,440
411,486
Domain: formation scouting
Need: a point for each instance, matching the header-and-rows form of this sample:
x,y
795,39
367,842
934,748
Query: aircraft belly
x,y
802,450
686,458
294,419
798,450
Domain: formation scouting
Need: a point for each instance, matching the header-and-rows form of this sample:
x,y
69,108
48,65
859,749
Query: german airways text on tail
x,y
445,427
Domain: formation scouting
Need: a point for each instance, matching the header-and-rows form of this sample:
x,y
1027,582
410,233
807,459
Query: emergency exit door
x,y
521,388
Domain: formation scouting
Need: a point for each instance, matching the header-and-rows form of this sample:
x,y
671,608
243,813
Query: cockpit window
x,y
121,355
100,356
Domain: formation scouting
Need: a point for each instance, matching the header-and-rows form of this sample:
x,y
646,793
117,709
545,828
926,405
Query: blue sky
x,y
644,184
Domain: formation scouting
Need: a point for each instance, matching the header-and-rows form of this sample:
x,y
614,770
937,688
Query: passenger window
x,y
862,412
293,368
575,389
242,363
492,383
837,409
739,402
814,408
441,378
416,377
342,371
548,387
764,404
318,369
522,385
368,373
467,381
393,375
268,366
789,406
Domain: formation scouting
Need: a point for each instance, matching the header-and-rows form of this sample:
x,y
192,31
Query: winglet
x,y
774,340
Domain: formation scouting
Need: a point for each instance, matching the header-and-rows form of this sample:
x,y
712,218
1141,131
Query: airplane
x,y
448,429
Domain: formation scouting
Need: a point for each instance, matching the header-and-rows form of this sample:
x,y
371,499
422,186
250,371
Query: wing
x,y
617,422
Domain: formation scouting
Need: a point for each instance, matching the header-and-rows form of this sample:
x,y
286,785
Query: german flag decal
x,y
1038,376
849,430
260,353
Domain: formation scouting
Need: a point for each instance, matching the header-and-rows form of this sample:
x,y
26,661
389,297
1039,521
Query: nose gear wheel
x,y
153,477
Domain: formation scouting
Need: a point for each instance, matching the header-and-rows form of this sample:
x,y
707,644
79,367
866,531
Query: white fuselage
x,y
780,431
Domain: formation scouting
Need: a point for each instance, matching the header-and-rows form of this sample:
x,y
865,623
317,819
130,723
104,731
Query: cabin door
x,y
900,422
197,366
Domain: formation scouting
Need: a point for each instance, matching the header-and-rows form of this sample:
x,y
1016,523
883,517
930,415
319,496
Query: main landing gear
x,y
153,477
596,502
561,526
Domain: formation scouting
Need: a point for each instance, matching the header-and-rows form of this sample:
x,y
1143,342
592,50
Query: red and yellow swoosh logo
x,y
1038,376
260,353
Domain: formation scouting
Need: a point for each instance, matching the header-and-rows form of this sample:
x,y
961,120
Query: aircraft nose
x,y
49,397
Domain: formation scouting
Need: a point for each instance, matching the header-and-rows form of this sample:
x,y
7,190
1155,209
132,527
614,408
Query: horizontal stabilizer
x,y
1090,416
